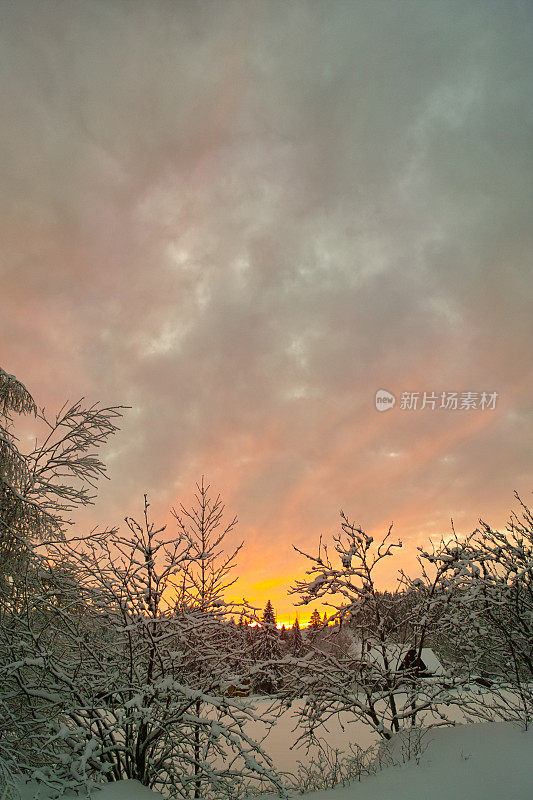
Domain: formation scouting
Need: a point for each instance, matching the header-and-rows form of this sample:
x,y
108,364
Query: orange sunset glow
x,y
242,225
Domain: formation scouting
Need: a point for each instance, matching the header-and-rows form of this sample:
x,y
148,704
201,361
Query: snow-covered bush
x,y
330,767
125,675
115,649
380,679
488,615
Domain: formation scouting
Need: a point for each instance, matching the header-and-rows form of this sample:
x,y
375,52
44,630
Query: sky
x,y
244,219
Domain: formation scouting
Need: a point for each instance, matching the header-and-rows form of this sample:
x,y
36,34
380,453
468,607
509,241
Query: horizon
x,y
295,240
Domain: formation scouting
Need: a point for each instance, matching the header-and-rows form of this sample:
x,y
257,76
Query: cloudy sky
x,y
243,219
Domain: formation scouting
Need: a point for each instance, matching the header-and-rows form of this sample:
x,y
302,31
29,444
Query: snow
x,y
338,734
489,761
118,790
431,661
395,654
126,790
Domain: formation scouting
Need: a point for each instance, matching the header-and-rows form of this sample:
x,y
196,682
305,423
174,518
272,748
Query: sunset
x,y
292,240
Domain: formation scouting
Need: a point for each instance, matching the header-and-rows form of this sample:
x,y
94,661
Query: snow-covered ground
x,y
466,762
340,733
469,762
491,761
280,742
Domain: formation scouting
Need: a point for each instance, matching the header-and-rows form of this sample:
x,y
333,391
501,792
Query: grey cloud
x,y
243,220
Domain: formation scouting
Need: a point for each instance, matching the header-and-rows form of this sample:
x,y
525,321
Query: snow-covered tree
x,y
14,471
296,642
489,621
37,489
204,581
315,622
268,620
109,643
125,677
375,680
266,674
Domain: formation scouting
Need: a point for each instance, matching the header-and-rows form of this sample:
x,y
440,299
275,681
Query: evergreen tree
x,y
315,623
268,618
267,653
296,641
